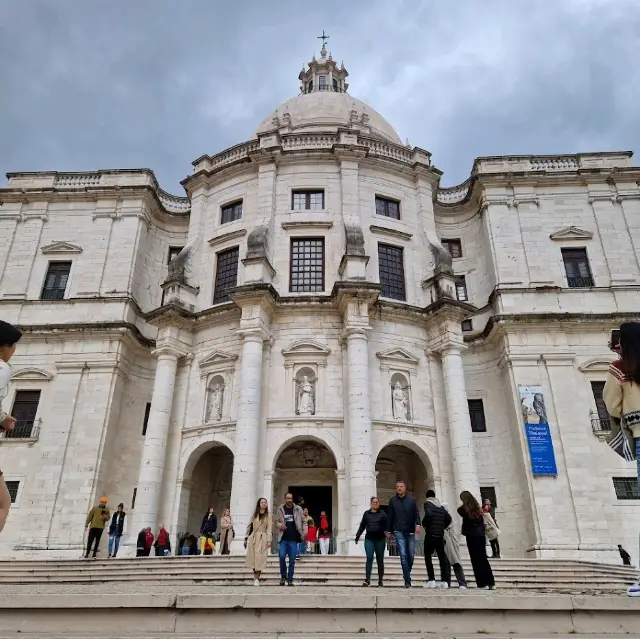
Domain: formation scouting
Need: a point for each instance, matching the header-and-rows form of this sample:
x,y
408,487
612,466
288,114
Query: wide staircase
x,y
189,597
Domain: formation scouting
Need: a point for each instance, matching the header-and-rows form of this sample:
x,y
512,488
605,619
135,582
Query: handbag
x,y
491,531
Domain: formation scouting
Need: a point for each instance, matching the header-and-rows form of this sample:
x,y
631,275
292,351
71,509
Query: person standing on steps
x,y
141,544
226,532
292,528
473,530
495,544
403,522
324,534
257,540
96,519
374,524
116,528
303,546
626,557
436,520
452,550
208,531
9,338
163,543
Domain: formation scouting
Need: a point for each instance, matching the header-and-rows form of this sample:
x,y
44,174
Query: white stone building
x,y
331,320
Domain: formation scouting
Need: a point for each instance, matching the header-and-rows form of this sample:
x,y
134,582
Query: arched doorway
x,y
399,462
210,484
307,469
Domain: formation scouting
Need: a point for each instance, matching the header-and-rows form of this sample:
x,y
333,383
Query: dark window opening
x,y
145,421
12,487
226,274
387,207
307,200
307,265
335,85
231,212
25,407
626,488
454,247
467,326
174,251
133,498
476,415
488,492
576,266
391,269
461,289
597,388
55,282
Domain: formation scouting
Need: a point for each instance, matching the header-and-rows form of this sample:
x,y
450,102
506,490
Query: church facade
x,y
318,315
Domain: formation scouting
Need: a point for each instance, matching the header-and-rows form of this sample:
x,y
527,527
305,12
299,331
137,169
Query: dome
x,y
325,111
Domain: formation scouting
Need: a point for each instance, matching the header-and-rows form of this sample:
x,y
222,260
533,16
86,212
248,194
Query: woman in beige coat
x,y
226,532
258,539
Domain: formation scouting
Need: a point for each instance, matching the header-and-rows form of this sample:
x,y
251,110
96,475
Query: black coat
x,y
471,526
402,515
209,525
117,524
374,523
435,520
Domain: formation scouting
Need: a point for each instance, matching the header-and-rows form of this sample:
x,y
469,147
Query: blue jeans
x,y
114,544
287,548
302,548
406,545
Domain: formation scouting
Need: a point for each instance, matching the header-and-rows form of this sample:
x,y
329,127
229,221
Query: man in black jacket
x,y
403,521
436,519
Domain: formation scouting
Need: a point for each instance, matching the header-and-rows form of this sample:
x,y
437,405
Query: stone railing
x,y
453,194
77,180
292,142
233,155
173,203
555,164
383,150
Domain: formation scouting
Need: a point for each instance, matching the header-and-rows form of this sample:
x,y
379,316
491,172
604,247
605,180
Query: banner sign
x,y
536,424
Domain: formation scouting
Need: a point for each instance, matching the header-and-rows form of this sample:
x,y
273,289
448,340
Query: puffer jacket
x,y
375,524
436,518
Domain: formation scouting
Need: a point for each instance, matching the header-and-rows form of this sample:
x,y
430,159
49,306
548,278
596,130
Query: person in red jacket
x,y
324,533
163,543
312,535
148,535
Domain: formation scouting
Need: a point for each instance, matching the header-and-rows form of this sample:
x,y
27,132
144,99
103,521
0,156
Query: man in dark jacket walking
x,y
403,521
116,528
625,556
436,519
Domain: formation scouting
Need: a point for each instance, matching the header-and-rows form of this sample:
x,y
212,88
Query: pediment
x,y
596,365
61,247
306,348
398,355
572,233
217,358
32,374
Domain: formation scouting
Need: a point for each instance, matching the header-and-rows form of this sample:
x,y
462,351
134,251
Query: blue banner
x,y
534,413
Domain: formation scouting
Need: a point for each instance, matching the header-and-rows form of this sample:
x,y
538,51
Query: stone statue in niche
x,y
306,405
214,402
400,403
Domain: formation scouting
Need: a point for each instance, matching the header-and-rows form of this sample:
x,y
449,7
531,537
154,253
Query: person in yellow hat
x,y
95,522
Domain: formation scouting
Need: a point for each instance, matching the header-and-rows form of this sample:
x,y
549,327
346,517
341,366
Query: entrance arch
x,y
308,469
399,461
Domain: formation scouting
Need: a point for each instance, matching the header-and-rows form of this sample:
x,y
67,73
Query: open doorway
x,y
316,499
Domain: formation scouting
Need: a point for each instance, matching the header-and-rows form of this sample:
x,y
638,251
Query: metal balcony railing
x,y
580,282
24,429
52,294
324,87
599,426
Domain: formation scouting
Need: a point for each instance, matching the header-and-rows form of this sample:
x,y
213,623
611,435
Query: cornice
x,y
307,224
395,233
226,237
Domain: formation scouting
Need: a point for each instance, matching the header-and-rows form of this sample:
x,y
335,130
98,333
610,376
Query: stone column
x,y
152,464
461,436
245,461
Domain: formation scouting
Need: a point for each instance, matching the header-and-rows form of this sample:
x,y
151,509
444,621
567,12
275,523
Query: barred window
x,y
626,488
387,207
307,200
476,415
55,282
454,247
576,265
391,269
307,265
231,212
12,487
461,288
25,408
226,274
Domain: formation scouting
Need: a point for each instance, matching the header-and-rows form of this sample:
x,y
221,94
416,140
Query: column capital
x,y
254,334
355,331
170,350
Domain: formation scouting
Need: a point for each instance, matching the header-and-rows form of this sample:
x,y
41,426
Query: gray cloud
x,y
157,83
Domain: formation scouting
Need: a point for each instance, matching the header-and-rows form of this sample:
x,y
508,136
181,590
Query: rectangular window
x,y
391,269
307,200
597,388
626,488
133,498
467,326
226,274
25,407
174,251
307,265
476,415
336,88
576,266
454,247
461,288
12,487
231,212
310,86
489,492
322,82
387,207
55,282
145,421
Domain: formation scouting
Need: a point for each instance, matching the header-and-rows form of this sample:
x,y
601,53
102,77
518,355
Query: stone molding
x,y
227,237
398,357
306,352
571,233
217,362
383,230
31,374
596,365
60,247
306,224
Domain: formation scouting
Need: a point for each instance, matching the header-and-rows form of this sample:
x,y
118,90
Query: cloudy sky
x,y
88,84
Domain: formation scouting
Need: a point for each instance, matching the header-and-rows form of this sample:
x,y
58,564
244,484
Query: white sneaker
x,y
443,585
256,582
634,591
431,584
462,587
